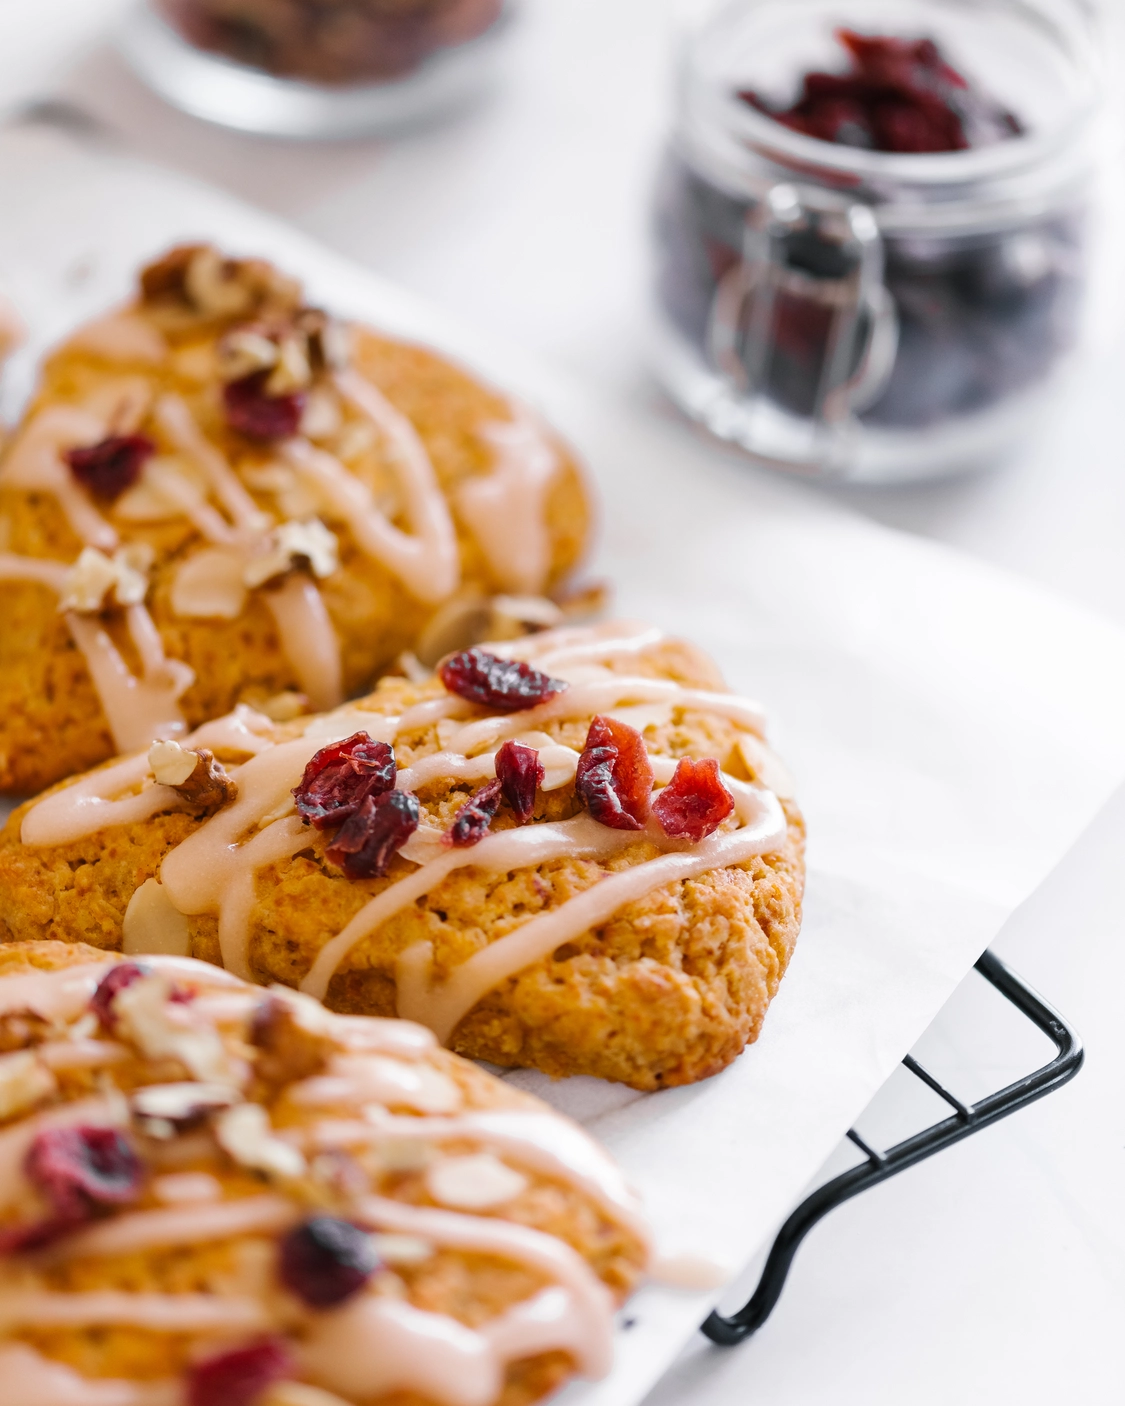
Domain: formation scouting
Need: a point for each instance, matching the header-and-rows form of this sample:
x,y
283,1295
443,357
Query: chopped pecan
x,y
199,278
165,278
204,784
288,1049
19,1029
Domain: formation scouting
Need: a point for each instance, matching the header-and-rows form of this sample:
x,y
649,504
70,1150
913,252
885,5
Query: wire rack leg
x,y
965,1120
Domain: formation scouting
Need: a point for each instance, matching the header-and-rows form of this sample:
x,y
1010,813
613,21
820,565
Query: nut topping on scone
x,y
222,494
586,877
166,1240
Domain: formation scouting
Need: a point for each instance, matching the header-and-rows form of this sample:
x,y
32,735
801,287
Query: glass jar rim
x,y
1040,159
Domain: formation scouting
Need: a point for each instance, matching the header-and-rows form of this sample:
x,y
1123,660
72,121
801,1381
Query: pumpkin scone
x,y
215,1195
220,494
573,852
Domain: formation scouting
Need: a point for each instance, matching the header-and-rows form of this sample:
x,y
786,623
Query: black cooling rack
x,y
965,1120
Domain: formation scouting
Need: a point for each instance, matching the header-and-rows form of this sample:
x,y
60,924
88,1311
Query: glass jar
x,y
864,315
316,68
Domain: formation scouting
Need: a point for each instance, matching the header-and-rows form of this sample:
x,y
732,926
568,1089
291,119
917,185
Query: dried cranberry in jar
x,y
259,416
81,1170
341,776
109,468
470,824
326,1260
520,774
115,980
899,95
507,685
614,775
375,834
239,1376
695,802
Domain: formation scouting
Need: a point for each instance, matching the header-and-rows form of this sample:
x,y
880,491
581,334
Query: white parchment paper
x,y
951,729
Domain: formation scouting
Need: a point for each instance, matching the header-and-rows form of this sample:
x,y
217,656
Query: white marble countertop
x,y
997,1271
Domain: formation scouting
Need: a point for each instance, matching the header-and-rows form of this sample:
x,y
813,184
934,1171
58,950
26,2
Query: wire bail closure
x,y
803,324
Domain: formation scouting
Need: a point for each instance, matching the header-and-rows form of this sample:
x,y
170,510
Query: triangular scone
x,y
213,1194
635,927
219,494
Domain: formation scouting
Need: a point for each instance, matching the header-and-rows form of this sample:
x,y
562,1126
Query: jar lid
x,y
1038,58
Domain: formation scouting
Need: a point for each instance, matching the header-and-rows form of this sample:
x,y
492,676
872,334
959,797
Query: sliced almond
x,y
24,1082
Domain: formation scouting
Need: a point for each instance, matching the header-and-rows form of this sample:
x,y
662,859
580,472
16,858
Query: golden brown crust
x,y
669,991
472,1287
51,719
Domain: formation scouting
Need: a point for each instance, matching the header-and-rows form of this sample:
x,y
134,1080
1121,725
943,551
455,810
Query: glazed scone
x,y
216,1195
221,495
635,928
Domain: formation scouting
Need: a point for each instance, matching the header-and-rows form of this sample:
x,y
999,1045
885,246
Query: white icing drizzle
x,y
509,849
56,996
81,1054
212,871
590,1301
101,798
33,1380
551,1146
507,509
177,422
424,560
138,710
120,336
600,695
34,462
47,573
167,1313
442,1006
189,1224
308,639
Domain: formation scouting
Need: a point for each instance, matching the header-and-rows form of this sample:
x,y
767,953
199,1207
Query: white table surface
x,y
995,1273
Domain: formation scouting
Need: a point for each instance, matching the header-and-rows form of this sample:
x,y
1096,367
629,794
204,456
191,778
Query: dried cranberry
x,y
115,980
80,1170
471,822
112,466
614,775
15,1239
898,95
257,415
376,832
341,776
520,773
695,802
508,685
240,1376
326,1260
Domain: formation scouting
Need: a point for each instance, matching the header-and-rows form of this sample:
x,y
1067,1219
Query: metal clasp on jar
x,y
803,327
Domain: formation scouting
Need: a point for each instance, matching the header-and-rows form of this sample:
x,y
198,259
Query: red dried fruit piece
x,y
695,802
614,775
16,1239
257,415
508,685
115,980
109,468
239,1377
326,1260
470,824
375,833
341,776
520,773
899,95
80,1170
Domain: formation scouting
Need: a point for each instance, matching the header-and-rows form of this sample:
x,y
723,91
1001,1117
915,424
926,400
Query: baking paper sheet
x,y
951,729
